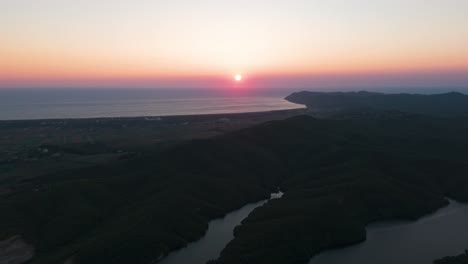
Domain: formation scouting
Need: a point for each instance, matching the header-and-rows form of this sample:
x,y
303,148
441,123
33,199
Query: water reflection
x,y
441,234
220,232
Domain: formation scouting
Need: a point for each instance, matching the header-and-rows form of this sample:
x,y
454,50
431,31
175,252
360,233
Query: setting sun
x,y
238,77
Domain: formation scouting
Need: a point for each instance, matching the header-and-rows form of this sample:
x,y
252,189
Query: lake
x,y
219,234
441,234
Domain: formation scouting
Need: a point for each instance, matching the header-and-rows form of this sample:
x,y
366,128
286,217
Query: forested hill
x,y
344,174
337,175
447,104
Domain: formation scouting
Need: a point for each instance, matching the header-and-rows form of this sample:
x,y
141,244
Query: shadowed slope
x,y
338,176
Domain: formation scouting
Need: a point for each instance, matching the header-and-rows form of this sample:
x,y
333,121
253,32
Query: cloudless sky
x,y
177,43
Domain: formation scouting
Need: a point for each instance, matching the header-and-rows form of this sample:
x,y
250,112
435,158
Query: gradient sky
x,y
203,43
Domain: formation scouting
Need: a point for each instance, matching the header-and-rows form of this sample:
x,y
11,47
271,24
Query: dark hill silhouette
x,y
447,104
338,175
460,259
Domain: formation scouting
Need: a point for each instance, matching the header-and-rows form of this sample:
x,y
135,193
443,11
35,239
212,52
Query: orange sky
x,y
156,43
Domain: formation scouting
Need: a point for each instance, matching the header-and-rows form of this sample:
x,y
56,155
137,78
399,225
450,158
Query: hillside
x,y
448,104
460,259
338,175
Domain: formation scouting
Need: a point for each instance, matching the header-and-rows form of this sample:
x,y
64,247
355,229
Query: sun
x,y
238,77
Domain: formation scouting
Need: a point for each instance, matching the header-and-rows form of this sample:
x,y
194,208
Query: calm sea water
x,y
87,103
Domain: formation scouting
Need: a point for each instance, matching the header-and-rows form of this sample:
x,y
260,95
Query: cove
x,y
219,234
441,234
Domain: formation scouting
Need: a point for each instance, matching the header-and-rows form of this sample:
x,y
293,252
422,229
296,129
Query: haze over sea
x,y
44,103
18,104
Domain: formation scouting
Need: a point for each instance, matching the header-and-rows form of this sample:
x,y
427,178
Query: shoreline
x,y
123,118
384,226
100,140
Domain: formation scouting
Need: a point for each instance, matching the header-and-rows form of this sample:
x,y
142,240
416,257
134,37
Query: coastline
x,y
300,108
109,105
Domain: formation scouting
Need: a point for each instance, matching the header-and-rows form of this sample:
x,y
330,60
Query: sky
x,y
204,43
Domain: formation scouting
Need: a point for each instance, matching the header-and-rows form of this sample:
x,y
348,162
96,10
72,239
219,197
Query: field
x,y
36,147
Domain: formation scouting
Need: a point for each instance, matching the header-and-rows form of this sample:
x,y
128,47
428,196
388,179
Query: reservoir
x,y
441,234
219,234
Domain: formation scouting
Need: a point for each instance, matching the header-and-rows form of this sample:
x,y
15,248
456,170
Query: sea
x,y
24,104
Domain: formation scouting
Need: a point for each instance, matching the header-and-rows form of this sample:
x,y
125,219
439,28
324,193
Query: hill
x,y
338,176
448,104
461,259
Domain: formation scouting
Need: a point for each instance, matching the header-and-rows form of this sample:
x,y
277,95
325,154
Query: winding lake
x,y
219,234
441,234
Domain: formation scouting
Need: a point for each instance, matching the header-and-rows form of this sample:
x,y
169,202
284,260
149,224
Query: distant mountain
x,y
447,104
